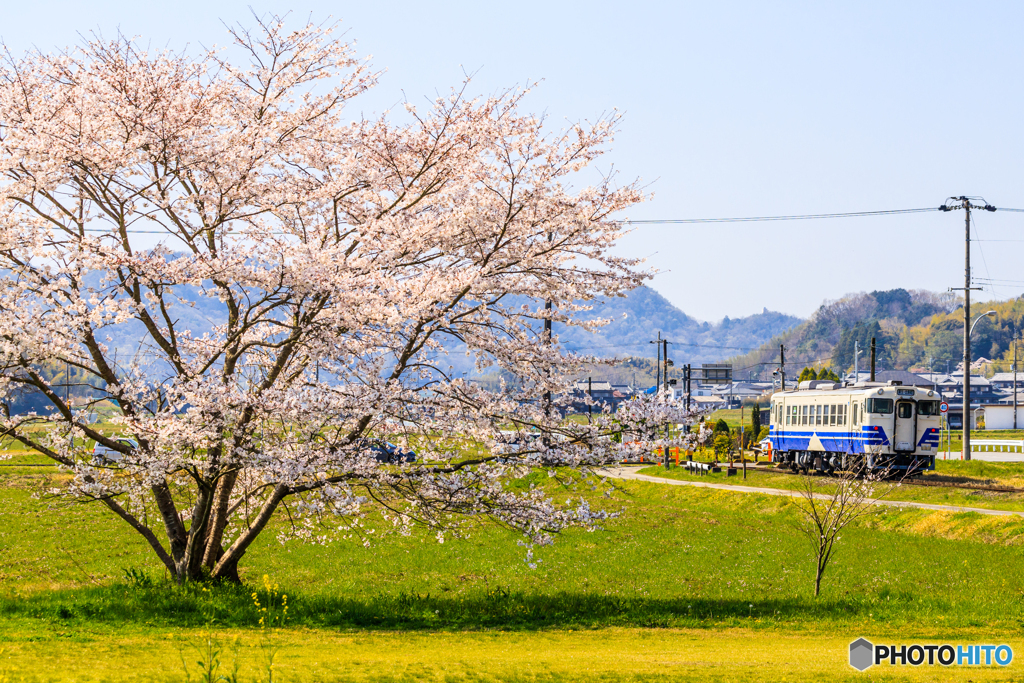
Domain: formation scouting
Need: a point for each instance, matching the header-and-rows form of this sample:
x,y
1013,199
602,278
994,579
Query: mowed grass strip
x,y
985,474
604,655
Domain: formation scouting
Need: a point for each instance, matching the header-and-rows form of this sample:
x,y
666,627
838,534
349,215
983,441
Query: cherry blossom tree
x,y
346,261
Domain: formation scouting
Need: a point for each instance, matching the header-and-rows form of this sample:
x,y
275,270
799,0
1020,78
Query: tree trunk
x,y
228,563
219,521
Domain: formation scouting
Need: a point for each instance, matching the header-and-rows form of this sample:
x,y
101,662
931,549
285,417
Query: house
x,y
1001,416
1004,380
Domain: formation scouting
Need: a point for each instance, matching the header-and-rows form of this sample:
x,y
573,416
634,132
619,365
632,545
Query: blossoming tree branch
x,y
347,260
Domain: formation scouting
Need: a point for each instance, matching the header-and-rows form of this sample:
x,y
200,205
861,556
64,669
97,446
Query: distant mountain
x,y
910,327
638,317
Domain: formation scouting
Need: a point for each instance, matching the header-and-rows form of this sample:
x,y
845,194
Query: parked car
x,y
103,454
385,451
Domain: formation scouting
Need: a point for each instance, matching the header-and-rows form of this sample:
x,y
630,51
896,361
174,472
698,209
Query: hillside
x,y
638,317
913,330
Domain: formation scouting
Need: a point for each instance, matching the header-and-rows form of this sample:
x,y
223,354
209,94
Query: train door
x,y
782,416
905,430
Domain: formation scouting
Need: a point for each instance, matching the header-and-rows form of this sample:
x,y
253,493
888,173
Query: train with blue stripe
x,y
828,426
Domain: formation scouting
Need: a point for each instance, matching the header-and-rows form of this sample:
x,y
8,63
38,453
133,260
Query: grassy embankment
x,y
972,472
686,584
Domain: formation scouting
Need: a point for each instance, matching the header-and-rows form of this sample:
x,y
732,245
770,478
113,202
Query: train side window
x,y
817,415
833,419
882,406
842,415
825,412
856,416
803,417
796,415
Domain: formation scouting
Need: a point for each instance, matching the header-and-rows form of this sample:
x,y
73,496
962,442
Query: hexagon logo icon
x,y
861,654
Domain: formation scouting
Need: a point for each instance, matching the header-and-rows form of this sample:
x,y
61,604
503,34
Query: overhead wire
x,y
792,217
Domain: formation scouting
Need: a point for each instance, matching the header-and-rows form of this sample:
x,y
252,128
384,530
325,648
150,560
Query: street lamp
x,y
967,387
978,319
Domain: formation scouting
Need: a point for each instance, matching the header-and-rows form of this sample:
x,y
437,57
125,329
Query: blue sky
x,y
732,109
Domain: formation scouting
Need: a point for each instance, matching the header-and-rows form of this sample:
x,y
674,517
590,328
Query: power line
x,y
757,219
653,221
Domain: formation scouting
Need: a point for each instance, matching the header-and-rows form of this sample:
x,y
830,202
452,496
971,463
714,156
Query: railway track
x,y
916,481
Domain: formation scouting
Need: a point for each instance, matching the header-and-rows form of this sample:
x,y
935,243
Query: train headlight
x,y
879,391
931,393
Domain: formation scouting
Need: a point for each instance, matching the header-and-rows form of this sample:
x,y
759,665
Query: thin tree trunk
x,y
190,566
228,562
219,520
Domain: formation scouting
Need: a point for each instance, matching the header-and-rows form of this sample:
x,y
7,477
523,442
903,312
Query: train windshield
x,y
880,405
927,407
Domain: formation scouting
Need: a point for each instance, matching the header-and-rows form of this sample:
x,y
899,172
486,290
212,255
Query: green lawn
x,y
686,584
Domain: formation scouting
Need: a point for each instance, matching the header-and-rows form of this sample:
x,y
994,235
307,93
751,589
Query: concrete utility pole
x,y
965,203
872,359
547,340
590,403
782,365
668,428
856,364
657,380
1015,379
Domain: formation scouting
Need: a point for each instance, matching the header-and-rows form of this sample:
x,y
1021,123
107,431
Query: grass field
x,y
685,584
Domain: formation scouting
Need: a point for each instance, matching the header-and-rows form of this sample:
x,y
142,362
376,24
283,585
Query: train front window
x,y
905,410
881,406
927,407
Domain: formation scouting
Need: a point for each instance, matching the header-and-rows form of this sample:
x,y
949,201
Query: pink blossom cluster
x,y
348,258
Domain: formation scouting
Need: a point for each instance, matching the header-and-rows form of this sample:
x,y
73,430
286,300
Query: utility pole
x,y
668,388
657,380
782,365
965,203
872,359
547,340
1015,379
686,388
590,403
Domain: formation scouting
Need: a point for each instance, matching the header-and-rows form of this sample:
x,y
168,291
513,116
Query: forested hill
x,y
638,317
914,330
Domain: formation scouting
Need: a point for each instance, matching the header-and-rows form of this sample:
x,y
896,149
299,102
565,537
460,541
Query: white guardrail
x,y
997,446
998,450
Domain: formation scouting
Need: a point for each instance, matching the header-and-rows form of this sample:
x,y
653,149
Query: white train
x,y
827,426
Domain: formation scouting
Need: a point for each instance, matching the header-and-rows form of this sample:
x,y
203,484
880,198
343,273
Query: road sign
x,y
943,407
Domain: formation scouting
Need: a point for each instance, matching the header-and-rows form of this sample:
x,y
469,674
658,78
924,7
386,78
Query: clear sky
x,y
732,109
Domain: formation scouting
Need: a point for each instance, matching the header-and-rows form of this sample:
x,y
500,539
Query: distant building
x,y
1004,380
602,392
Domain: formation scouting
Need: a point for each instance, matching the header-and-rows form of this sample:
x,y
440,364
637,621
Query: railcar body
x,y
827,426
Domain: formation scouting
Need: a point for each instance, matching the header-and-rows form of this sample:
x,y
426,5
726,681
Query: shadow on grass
x,y
232,606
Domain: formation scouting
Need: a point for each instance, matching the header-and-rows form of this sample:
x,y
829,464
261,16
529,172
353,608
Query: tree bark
x,y
229,561
219,521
